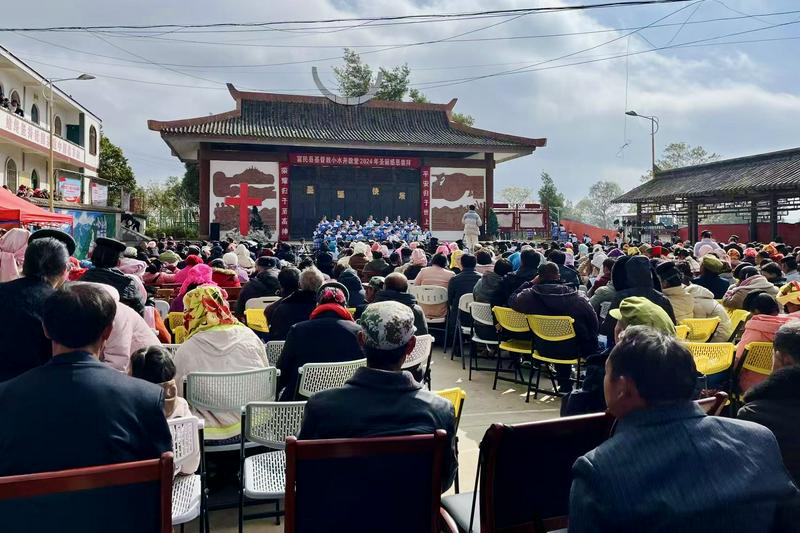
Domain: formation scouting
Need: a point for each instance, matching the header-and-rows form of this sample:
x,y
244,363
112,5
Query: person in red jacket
x,y
222,276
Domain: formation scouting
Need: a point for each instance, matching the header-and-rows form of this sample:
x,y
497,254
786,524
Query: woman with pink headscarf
x,y
417,262
12,253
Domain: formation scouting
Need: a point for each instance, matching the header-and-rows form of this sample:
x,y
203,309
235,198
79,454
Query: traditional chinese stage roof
x,y
743,178
293,120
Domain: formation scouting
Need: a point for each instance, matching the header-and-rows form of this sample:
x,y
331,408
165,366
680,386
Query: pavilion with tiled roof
x,y
759,187
396,158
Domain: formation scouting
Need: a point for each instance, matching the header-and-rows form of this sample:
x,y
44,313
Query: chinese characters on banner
x,y
355,160
283,202
40,137
70,189
425,195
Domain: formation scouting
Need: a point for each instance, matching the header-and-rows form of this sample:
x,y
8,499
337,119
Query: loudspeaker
x,y
213,231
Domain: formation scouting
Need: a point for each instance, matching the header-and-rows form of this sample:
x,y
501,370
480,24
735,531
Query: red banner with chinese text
x,y
283,202
425,195
355,160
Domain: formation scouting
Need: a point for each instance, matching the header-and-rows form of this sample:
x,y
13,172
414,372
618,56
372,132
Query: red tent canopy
x,y
16,210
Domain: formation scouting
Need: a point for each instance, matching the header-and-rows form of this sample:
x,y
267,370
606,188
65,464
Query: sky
x,y
673,61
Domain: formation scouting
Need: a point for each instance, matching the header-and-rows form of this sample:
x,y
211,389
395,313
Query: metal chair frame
x,y
456,396
266,424
510,320
534,322
458,330
481,314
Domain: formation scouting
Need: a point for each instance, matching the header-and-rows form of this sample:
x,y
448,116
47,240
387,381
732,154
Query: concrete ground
x,y
482,408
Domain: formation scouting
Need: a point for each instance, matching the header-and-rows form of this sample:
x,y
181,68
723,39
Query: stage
x,y
290,159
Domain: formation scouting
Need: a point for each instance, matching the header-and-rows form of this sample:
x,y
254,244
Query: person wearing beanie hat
x,y
381,398
789,297
106,259
639,311
231,261
329,335
710,269
169,257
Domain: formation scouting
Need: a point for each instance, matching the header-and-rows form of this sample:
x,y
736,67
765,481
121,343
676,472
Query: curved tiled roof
x,y
303,118
757,174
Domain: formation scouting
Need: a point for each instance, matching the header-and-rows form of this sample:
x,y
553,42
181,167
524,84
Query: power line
x,y
390,45
549,9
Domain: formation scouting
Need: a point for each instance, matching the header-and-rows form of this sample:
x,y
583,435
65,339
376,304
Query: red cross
x,y
244,201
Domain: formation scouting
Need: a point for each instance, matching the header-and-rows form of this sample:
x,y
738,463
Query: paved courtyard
x,y
482,407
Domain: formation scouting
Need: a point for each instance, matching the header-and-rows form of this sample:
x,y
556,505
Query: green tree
x,y
515,195
115,169
599,209
681,154
355,76
190,184
549,196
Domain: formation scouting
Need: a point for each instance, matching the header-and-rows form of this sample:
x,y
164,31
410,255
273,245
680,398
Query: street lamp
x,y
653,130
50,105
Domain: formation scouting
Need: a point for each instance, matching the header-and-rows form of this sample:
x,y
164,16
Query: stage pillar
x,y
773,216
753,221
489,192
205,188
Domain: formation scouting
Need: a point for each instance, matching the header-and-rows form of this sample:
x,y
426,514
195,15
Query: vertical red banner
x,y
425,196
283,202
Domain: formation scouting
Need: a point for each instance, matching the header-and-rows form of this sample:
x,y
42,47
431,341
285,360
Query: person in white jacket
x,y
705,306
215,342
129,333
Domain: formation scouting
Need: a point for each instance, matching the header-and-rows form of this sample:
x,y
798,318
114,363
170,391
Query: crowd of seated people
x,y
356,302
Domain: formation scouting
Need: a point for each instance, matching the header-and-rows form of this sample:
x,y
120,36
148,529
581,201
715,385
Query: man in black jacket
x,y
23,344
529,260
328,336
263,283
299,293
461,284
775,403
551,297
395,289
381,399
101,416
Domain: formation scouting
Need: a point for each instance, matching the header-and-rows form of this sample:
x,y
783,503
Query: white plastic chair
x,y
261,303
421,355
481,315
162,306
229,392
274,350
187,490
263,476
432,295
316,377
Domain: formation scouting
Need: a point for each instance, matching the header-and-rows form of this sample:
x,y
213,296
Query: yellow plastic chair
x,y
739,318
681,332
514,322
256,320
180,334
757,357
712,357
557,334
701,329
456,395
175,319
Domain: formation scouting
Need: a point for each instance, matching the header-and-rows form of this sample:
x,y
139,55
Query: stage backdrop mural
x,y
237,187
87,226
453,190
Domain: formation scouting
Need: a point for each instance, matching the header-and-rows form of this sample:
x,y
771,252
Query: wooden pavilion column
x,y
205,187
639,221
773,216
753,221
489,190
693,222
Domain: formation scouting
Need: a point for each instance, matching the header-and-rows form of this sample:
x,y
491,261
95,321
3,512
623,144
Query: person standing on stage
x,y
472,227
